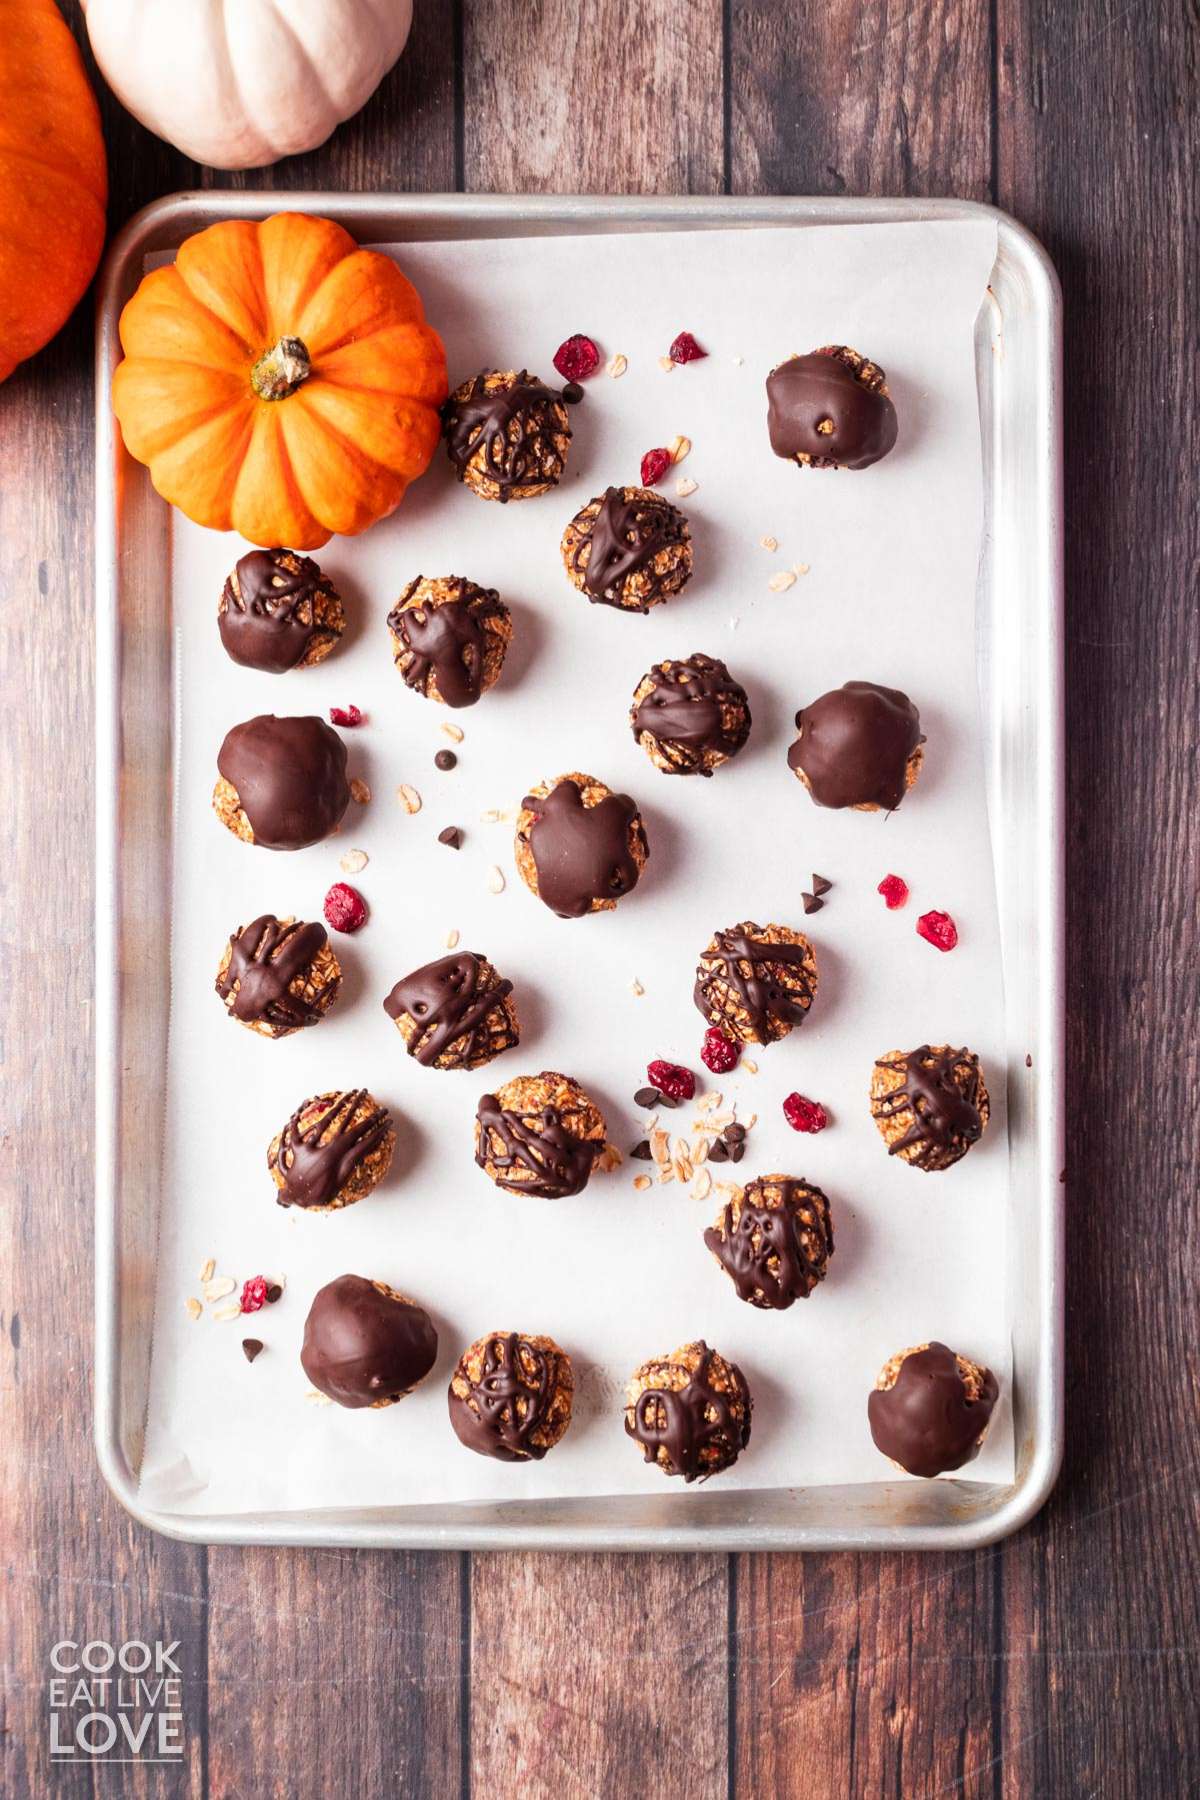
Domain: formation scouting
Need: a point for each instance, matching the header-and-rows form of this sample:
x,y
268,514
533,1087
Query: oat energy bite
x,y
755,982
539,1135
629,548
930,1104
510,1396
931,1408
278,975
365,1344
579,847
277,611
507,434
690,716
774,1240
449,638
455,1013
830,410
282,782
859,746
689,1411
333,1150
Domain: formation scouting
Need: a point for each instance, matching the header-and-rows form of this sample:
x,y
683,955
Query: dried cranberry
x,y
577,358
346,715
254,1294
938,929
719,1053
804,1115
345,908
685,349
670,1079
894,891
655,464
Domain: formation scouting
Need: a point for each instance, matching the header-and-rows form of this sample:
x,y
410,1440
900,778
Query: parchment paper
x,y
614,1275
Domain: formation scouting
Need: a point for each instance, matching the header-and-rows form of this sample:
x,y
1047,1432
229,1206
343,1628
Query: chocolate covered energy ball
x,y
455,1013
277,611
755,982
449,638
539,1135
629,548
282,782
690,716
510,1396
333,1150
579,847
365,1344
278,975
507,434
930,1104
689,1411
931,1408
859,746
830,410
774,1240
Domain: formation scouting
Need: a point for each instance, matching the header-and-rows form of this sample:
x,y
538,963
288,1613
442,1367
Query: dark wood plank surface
x,y
1062,1663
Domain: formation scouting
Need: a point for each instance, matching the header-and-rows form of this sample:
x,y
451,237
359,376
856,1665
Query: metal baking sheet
x,y
1019,638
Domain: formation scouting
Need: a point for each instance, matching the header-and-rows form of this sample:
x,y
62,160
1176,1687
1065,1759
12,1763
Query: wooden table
x,y
1061,1663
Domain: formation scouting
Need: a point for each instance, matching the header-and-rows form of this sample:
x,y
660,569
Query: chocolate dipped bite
x,y
628,548
774,1240
579,847
689,1412
830,410
365,1344
859,746
507,434
755,982
510,1396
277,611
929,1104
539,1135
931,1408
449,638
335,1149
690,715
282,782
278,975
455,1013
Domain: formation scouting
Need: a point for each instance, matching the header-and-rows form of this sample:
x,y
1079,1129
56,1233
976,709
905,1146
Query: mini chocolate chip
x,y
445,759
719,1152
572,393
811,903
452,836
647,1097
1028,1060
821,885
734,1134
251,1347
274,1293
736,1152
641,1151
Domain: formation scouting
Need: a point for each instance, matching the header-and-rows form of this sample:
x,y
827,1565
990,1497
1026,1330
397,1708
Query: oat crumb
x,y
665,364
232,1311
617,366
360,793
194,1308
353,862
781,580
685,487
769,543
408,797
452,940
453,732
495,880
209,1269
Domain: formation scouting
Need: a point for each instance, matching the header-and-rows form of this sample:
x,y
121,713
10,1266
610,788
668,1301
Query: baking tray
x,y
1019,645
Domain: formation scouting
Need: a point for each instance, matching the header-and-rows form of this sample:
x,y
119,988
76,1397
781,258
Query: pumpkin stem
x,y
279,372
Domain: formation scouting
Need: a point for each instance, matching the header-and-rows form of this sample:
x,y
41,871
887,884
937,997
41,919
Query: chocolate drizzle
x,y
855,743
944,1101
290,777
447,641
511,458
318,1158
820,410
268,619
694,707
925,1420
623,540
557,1162
489,1419
446,1003
265,958
687,1421
764,1251
767,1002
363,1347
581,853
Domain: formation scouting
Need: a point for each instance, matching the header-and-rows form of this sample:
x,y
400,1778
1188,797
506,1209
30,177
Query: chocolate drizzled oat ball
x,y
930,1104
859,746
510,1396
579,847
456,1013
690,716
449,638
365,1344
774,1240
931,1408
277,611
629,548
507,434
278,975
282,782
333,1150
755,982
689,1411
830,410
539,1135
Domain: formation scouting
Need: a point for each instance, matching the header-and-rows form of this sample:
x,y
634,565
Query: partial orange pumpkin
x,y
280,382
53,178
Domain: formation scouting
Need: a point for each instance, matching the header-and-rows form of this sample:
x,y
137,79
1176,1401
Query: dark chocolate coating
x,y
269,618
513,459
581,853
686,712
766,1000
680,1422
361,1346
924,1421
778,1231
487,1420
854,745
823,388
624,538
448,641
265,958
290,776
314,1171
445,1001
558,1162
945,1106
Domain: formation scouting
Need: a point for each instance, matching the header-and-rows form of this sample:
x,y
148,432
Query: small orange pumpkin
x,y
53,179
280,382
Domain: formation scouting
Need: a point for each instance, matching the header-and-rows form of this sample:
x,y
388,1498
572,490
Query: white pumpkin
x,y
242,85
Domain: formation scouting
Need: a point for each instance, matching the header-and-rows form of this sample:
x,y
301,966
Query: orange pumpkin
x,y
53,178
279,381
